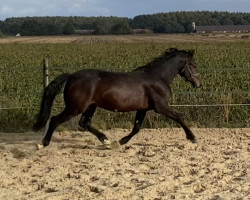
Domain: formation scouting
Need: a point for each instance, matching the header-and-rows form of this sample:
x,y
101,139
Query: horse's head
x,y
189,70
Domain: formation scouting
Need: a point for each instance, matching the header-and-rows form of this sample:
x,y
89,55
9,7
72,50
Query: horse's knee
x,y
55,121
84,125
81,124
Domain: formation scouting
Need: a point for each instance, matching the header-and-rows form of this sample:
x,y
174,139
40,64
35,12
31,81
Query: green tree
x,y
172,22
52,29
68,28
31,27
102,27
1,34
121,28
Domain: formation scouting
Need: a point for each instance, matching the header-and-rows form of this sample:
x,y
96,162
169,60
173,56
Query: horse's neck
x,y
165,71
168,72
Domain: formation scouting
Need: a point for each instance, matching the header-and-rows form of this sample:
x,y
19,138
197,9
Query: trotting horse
x,y
146,88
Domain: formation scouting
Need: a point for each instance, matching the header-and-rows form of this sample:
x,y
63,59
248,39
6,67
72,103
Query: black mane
x,y
169,53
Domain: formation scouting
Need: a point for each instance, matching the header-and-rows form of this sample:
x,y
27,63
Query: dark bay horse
x,y
146,88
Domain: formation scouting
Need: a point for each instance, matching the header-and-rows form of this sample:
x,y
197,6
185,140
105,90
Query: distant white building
x,y
85,31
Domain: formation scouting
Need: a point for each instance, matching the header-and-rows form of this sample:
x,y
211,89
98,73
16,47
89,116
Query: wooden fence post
x,y
45,73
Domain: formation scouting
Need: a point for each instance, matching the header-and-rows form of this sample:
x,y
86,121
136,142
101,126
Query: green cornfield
x,y
224,68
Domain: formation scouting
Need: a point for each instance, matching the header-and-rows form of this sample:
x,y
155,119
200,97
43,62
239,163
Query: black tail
x,y
49,95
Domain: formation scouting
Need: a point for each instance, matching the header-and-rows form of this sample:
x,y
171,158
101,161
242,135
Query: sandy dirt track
x,y
157,164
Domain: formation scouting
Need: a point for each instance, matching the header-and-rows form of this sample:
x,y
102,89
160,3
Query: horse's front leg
x,y
140,115
164,110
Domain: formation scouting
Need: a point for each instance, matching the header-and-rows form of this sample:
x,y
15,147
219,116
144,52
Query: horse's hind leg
x,y
140,115
85,122
164,110
55,121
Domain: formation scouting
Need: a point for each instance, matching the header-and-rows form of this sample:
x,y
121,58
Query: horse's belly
x,y
123,101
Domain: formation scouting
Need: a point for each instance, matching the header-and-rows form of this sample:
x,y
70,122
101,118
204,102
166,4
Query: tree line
x,y
172,22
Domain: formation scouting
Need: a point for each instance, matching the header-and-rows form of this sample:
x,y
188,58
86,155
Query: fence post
x,y
45,73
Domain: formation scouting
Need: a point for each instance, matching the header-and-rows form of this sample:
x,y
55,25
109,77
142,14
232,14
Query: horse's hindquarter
x,y
121,92
79,89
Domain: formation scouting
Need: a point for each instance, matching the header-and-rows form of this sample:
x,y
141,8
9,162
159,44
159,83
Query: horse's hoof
x,y
39,146
107,144
194,132
193,140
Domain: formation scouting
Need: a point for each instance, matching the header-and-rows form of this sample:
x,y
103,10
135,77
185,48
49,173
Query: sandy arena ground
x,y
157,164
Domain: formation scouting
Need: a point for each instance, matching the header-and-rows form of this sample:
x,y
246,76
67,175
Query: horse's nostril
x,y
198,85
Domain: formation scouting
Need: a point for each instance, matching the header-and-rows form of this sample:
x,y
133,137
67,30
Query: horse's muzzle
x,y
196,83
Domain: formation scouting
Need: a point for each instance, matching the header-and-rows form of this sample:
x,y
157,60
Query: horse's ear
x,y
191,52
169,51
172,49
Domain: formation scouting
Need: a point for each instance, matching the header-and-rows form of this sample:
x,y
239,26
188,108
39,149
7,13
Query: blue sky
x,y
121,8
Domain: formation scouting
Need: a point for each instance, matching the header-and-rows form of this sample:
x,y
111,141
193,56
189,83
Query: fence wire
x,y
233,69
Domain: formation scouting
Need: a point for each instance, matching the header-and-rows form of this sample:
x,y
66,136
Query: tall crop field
x,y
224,68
